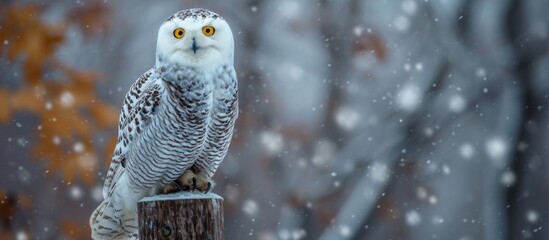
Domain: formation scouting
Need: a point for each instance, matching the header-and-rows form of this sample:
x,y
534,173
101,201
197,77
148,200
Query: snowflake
x,y
289,9
97,193
409,98
433,200
294,71
457,103
48,105
76,192
445,169
508,178
78,147
419,67
345,230
250,207
323,153
401,23
66,99
21,235
347,118
298,234
467,150
409,6
429,132
413,218
437,220
421,193
272,141
358,30
284,234
496,148
480,72
532,216
379,172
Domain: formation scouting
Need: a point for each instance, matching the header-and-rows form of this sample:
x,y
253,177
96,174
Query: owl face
x,y
194,39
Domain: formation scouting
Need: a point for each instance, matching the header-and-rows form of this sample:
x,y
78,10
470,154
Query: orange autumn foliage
x,y
67,107
75,230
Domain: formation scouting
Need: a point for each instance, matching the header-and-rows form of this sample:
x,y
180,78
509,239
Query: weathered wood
x,y
181,215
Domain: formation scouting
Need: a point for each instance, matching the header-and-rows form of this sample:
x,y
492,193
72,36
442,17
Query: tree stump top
x,y
181,196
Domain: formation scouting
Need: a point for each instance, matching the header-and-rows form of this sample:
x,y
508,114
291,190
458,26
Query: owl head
x,y
195,37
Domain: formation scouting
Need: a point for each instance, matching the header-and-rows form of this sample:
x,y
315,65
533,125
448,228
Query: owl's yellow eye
x,y
179,33
208,30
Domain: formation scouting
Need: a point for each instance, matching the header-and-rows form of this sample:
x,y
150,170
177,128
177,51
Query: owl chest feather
x,y
197,109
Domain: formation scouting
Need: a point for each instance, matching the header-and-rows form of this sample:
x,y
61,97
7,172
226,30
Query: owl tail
x,y
105,224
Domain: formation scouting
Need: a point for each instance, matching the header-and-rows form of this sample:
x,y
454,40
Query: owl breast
x,y
195,119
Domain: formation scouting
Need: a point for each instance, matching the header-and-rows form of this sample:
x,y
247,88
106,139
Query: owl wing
x,y
135,101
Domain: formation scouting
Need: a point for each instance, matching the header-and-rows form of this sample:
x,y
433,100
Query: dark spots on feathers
x,y
194,13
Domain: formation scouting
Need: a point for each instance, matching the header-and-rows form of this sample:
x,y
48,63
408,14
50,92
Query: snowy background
x,y
360,119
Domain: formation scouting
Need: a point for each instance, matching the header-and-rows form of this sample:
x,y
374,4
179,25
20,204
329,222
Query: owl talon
x,y
171,188
208,188
178,186
191,181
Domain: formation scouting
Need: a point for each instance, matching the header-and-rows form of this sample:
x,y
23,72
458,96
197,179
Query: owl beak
x,y
195,46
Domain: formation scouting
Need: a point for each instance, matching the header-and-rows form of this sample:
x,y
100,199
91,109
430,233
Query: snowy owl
x,y
176,123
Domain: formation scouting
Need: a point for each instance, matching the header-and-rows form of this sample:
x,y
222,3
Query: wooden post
x,y
182,215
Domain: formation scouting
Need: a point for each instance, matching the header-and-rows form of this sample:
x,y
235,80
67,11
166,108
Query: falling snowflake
x,y
409,98
409,6
532,216
379,172
357,30
66,99
421,193
467,150
480,72
401,23
508,178
324,152
433,200
345,230
294,71
284,234
496,148
298,234
272,142
250,207
78,147
347,118
289,9
87,161
419,67
429,132
457,103
437,220
21,235
97,193
48,105
407,67
445,169
75,192
413,218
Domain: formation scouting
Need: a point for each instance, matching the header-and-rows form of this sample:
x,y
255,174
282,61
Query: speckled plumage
x,y
177,115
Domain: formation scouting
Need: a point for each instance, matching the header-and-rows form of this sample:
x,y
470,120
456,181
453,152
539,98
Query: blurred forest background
x,y
360,119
